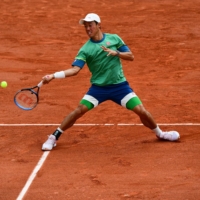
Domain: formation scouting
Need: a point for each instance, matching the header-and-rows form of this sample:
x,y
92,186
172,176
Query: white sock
x,y
157,131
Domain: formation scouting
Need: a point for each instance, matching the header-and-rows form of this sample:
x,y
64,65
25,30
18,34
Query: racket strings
x,y
26,99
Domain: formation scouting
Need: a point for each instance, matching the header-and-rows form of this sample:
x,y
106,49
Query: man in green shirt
x,y
103,53
106,70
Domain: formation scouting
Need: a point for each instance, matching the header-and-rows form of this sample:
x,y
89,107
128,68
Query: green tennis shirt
x,y
105,70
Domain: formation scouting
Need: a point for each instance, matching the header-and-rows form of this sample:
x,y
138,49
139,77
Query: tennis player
x,y
102,54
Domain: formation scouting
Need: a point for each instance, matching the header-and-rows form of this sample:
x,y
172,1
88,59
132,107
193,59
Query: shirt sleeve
x,y
78,63
80,59
124,48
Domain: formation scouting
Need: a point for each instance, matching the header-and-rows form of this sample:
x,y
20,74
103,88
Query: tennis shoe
x,y
169,135
49,144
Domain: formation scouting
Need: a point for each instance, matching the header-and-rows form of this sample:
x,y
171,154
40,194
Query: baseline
x,y
119,124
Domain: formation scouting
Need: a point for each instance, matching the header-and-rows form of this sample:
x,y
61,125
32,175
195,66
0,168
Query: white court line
x,y
164,124
119,124
32,176
46,153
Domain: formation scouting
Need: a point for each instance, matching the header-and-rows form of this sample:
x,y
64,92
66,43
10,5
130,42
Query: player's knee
x,y
141,111
80,110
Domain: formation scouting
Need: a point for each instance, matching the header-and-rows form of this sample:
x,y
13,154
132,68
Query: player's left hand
x,y
110,51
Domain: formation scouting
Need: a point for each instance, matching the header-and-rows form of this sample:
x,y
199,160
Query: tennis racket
x,y
28,98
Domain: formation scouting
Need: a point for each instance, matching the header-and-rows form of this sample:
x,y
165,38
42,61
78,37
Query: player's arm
x,y
71,72
62,74
123,52
125,55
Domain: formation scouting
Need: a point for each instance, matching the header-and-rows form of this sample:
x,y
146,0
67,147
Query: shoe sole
x,y
163,139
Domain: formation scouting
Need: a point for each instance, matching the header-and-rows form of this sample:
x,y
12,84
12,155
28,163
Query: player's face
x,y
91,28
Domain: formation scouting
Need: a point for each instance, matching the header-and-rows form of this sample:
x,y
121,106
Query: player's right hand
x,y
46,79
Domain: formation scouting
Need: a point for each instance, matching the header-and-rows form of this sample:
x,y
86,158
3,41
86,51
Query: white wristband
x,y
59,74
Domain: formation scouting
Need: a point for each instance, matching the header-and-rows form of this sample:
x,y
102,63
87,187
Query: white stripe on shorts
x,y
91,99
127,98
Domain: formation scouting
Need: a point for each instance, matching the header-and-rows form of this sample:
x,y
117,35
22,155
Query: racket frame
x,y
35,92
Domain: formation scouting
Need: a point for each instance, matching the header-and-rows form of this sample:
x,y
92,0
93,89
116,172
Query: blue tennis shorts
x,y
120,93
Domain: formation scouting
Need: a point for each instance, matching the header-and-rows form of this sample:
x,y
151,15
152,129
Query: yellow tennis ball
x,y
4,84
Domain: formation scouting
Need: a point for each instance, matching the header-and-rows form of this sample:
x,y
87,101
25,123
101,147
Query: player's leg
x,y
132,102
146,118
92,99
125,96
68,121
87,103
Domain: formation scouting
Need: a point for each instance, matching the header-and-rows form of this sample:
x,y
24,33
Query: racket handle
x,y
40,84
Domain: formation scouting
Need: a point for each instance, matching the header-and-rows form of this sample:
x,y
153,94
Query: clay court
x,y
107,154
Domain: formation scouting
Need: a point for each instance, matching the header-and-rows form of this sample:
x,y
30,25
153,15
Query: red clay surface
x,y
101,162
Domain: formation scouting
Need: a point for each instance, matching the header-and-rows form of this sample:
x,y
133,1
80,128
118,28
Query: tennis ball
x,y
4,84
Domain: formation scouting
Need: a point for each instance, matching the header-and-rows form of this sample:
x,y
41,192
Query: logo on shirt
x,y
107,43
